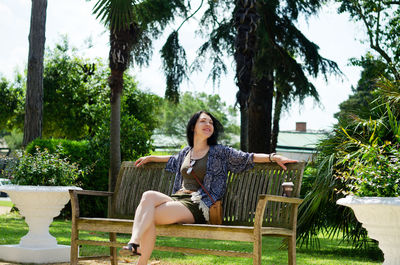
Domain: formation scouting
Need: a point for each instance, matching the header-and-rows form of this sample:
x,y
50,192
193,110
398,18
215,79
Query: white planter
x,y
381,217
39,205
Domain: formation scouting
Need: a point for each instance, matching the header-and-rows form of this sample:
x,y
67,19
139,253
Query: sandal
x,y
130,249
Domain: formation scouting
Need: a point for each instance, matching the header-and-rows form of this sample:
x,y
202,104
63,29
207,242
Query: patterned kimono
x,y
221,159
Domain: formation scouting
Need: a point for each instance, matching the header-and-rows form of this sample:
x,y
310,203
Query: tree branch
x,y
375,46
194,13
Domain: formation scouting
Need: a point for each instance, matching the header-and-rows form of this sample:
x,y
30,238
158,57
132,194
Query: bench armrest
x,y
91,192
276,198
75,201
262,203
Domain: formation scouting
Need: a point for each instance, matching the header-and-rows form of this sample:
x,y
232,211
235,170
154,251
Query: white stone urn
x,y
39,205
381,217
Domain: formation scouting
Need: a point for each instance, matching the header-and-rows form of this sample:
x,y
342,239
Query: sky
x,y
339,40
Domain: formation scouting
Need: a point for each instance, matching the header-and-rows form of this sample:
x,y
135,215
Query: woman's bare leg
x,y
154,209
144,216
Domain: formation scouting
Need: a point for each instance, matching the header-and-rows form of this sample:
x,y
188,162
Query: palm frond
x,y
116,14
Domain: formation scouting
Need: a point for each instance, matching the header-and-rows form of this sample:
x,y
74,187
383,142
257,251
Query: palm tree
x,y
131,23
34,86
278,69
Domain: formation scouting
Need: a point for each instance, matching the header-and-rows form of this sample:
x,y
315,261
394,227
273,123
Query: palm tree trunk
x,y
34,85
260,109
244,132
277,116
120,48
115,125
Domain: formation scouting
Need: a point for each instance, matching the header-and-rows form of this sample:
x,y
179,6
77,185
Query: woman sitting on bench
x,y
202,163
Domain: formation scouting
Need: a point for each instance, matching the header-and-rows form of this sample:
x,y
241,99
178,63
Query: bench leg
x,y
74,245
292,250
257,250
113,250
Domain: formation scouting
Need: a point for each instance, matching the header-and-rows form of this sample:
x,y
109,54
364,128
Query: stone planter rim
x,y
352,200
32,188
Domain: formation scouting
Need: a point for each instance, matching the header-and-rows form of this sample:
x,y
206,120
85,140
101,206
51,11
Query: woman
x,y
203,159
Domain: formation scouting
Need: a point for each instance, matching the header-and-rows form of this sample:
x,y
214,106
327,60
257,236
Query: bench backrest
x,y
240,199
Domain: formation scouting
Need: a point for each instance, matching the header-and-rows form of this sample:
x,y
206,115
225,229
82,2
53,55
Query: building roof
x,y
304,141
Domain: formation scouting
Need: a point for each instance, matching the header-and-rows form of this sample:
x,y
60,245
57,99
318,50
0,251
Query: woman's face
x,y
204,126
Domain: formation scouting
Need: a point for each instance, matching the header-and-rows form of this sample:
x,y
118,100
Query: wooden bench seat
x,y
253,207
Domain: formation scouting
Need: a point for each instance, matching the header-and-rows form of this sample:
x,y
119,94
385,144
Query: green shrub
x,y
310,173
45,169
375,173
135,139
93,161
93,156
76,151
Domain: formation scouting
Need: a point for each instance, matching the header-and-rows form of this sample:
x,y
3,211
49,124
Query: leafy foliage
x,y
116,14
174,64
359,103
279,42
381,21
375,171
135,139
94,161
359,157
76,99
45,168
11,102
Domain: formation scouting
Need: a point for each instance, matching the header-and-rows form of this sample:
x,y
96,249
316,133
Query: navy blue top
x,y
221,159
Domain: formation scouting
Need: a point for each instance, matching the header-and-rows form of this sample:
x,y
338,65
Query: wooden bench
x,y
253,207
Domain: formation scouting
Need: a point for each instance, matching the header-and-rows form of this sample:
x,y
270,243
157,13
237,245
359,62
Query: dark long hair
x,y
213,139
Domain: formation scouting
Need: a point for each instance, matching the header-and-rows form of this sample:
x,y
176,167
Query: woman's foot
x,y
130,249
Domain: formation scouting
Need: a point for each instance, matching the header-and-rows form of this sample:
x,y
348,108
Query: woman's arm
x,y
146,159
280,160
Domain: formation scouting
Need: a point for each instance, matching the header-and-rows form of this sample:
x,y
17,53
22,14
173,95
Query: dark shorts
x,y
193,207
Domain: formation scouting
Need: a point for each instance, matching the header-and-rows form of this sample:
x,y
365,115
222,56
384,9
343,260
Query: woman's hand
x,y
142,160
281,160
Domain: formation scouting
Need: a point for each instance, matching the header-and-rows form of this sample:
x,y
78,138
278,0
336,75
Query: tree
x,y
359,103
283,58
344,146
130,23
10,102
246,22
381,20
34,88
75,98
370,115
75,101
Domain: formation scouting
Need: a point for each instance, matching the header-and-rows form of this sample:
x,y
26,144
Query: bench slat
x,y
206,251
235,233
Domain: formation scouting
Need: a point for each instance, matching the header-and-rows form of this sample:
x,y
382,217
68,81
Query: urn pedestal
x,y
381,218
39,205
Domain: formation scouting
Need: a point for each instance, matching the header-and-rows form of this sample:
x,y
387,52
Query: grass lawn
x,y
13,227
6,203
